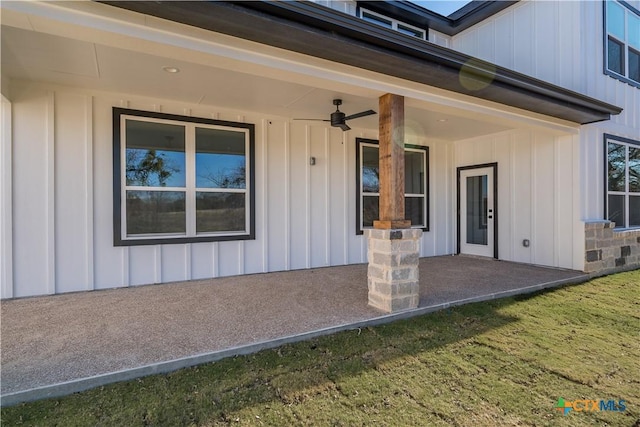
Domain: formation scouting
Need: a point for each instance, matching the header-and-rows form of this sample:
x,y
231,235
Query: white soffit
x,y
141,35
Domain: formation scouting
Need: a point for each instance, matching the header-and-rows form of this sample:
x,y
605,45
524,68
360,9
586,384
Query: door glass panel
x,y
477,205
616,210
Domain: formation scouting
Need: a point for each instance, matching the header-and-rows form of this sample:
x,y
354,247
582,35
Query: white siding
x,y
305,215
535,194
6,233
562,42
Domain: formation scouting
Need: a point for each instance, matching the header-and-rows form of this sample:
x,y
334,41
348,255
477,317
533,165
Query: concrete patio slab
x,y
57,345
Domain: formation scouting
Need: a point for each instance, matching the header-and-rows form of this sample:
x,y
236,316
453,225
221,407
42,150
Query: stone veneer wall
x,y
608,250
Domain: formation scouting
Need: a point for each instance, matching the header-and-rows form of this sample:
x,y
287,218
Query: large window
x,y
622,41
416,173
623,181
393,24
181,179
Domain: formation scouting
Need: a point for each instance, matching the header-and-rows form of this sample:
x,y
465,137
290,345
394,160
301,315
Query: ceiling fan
x,y
338,118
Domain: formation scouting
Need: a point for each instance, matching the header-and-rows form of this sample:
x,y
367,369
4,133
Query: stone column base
x,y
393,268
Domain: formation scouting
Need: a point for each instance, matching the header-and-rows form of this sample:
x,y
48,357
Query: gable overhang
x,y
318,31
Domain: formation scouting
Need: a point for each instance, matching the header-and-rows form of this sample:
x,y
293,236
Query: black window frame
x,y
624,43
625,142
118,239
359,142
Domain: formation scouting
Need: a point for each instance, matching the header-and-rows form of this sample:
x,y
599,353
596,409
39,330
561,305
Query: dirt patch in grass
x,y
504,362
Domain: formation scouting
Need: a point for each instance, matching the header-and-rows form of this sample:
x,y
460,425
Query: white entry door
x,y
477,211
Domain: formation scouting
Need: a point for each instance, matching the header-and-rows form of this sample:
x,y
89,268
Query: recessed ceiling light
x,y
172,70
442,120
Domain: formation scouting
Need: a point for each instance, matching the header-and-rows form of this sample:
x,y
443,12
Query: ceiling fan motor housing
x,y
337,118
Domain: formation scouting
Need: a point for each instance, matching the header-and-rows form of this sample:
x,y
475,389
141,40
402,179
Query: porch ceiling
x,y
37,56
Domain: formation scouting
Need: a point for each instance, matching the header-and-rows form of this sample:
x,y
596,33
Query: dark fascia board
x,y
460,20
318,31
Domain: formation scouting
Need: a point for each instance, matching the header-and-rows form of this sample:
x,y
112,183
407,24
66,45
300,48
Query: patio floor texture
x,y
56,345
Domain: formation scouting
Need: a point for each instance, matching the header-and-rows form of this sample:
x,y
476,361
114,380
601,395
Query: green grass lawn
x,y
504,362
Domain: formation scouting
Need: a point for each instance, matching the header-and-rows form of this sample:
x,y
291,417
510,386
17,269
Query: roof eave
x,y
322,32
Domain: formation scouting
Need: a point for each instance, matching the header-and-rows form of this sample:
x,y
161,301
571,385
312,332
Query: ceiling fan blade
x,y
315,120
344,126
358,115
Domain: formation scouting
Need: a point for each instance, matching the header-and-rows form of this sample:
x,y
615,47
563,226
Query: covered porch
x,y
57,345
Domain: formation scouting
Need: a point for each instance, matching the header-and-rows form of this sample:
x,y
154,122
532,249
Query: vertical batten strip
x,y
327,196
578,230
88,172
287,195
532,196
307,196
556,202
512,205
6,216
50,184
345,196
265,195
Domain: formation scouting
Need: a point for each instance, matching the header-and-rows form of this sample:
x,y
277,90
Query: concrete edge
x,y
83,384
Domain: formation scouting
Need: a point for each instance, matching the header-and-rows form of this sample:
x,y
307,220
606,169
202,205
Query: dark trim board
x,y
321,32
117,182
495,204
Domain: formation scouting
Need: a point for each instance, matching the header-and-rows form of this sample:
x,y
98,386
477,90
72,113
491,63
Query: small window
x,y
376,19
623,181
393,24
181,179
622,40
416,172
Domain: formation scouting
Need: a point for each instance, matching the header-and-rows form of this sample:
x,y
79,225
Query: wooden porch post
x,y
393,246
391,149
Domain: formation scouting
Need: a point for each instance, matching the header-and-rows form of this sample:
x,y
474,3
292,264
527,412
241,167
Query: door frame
x,y
494,166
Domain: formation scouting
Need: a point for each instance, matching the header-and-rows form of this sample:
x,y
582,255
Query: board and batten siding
x,y
537,200
562,42
62,203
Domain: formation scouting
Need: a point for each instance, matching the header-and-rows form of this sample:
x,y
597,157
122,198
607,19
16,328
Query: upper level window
x,y
393,24
622,41
416,185
181,179
623,181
